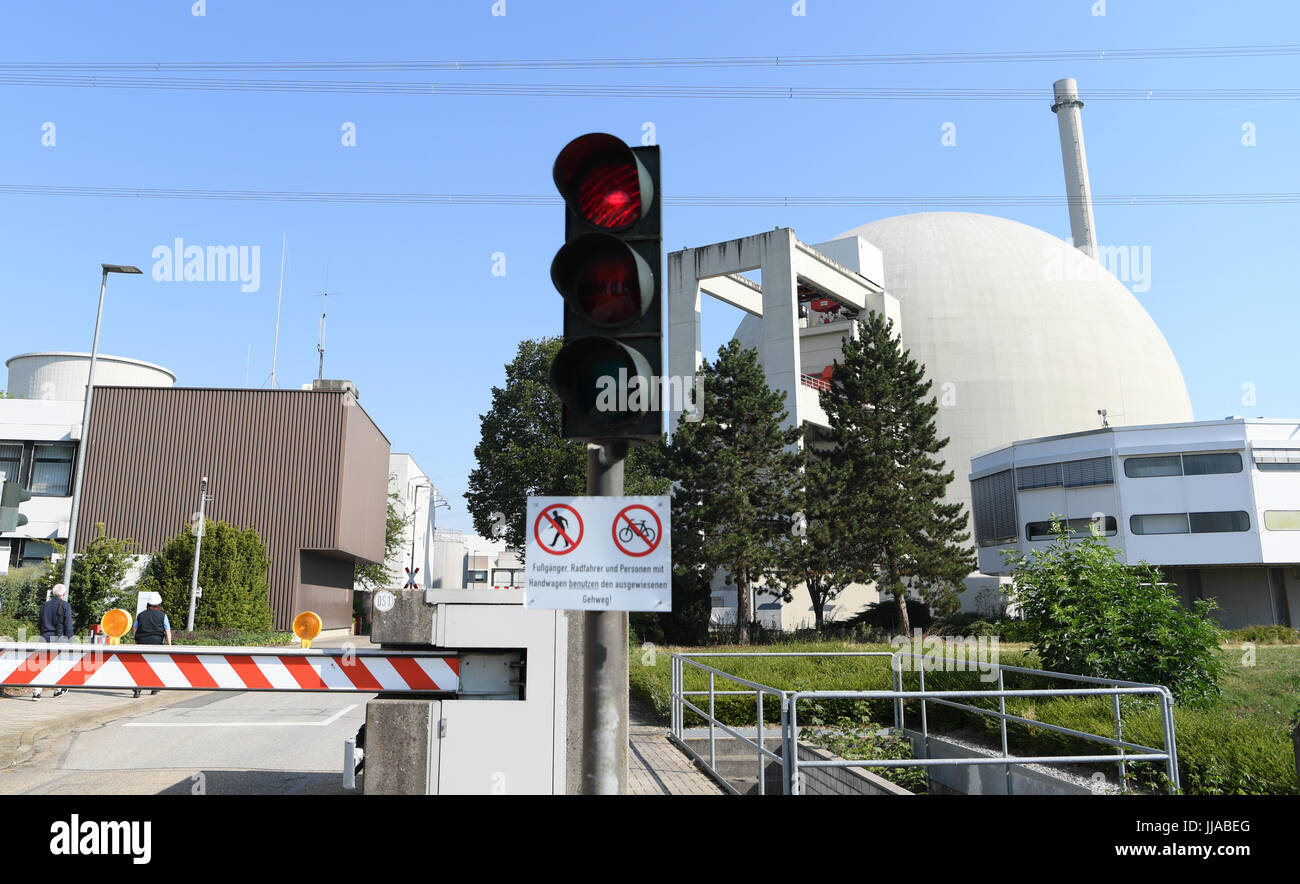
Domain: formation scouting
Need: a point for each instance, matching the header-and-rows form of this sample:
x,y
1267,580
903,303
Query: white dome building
x,y
1022,334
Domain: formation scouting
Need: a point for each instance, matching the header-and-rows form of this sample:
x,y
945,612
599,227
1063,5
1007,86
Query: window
x,y
52,470
1145,467
1218,523
1158,523
1282,520
1208,464
993,504
1043,476
1081,473
11,459
1278,459
36,552
1077,527
1182,465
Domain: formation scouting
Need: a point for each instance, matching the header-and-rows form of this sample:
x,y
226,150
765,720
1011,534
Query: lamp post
x,y
85,422
415,512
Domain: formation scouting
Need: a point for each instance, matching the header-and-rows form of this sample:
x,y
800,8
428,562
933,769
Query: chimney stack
x,y
1082,227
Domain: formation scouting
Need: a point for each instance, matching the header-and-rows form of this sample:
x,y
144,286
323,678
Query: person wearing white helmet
x,y
152,627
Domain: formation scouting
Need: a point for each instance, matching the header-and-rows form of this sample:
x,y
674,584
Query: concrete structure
x,y
1019,333
1083,230
307,469
1214,504
62,376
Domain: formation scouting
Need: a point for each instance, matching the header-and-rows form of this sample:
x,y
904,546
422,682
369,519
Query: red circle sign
x,y
551,519
632,530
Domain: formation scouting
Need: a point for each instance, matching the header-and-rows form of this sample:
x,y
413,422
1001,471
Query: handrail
x,y
1128,752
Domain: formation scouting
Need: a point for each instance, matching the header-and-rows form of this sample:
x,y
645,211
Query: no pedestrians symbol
x,y
558,529
637,530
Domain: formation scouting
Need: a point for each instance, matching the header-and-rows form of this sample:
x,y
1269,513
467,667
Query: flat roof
x,y
1227,421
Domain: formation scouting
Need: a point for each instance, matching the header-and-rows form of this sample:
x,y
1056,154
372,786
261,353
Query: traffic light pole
x,y
604,719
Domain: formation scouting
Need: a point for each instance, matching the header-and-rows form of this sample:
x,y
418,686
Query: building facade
x,y
307,468
1214,504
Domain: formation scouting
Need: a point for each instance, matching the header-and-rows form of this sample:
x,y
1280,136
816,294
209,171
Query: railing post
x,y
795,785
762,766
713,761
1002,708
1119,735
1167,708
785,744
925,724
898,689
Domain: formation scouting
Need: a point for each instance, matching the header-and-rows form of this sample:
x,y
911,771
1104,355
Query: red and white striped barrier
x,y
225,669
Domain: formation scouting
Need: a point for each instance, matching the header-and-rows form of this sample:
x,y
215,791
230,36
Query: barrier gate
x,y
173,667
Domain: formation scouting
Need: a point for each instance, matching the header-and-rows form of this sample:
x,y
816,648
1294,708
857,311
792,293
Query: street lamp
x,y
85,422
434,502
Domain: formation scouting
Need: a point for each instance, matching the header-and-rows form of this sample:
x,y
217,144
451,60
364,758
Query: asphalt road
x,y
215,743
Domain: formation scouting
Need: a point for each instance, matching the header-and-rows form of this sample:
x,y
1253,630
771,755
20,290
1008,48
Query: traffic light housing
x,y
10,497
607,374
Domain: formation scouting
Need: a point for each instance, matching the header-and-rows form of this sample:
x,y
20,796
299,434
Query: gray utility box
x,y
503,731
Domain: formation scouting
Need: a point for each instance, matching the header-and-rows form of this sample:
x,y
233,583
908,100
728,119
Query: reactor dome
x,y
1022,334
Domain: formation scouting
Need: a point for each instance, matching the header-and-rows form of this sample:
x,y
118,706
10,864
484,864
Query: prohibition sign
x,y
632,530
550,519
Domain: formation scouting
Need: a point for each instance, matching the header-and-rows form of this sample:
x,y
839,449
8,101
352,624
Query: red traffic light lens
x,y
602,180
604,279
608,289
609,195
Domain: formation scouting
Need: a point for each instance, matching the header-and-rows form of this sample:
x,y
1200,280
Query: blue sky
x,y
424,327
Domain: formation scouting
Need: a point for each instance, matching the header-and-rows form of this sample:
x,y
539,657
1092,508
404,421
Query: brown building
x,y
307,468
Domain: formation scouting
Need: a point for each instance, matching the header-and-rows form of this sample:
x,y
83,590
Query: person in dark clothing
x,y
152,627
55,623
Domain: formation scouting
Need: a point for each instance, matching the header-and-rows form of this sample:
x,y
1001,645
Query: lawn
x,y
1239,745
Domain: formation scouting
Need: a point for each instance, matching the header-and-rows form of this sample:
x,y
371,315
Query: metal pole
x,y
85,438
198,545
1119,735
762,762
604,720
1002,708
415,512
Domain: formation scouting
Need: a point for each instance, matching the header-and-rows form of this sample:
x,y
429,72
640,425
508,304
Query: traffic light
x,y
607,374
11,496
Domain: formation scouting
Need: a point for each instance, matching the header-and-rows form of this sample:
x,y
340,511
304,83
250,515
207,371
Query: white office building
x,y
1214,504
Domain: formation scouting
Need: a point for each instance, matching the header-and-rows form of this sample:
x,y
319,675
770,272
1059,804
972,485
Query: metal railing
x,y
788,758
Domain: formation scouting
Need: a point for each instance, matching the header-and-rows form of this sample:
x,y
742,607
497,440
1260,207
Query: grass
x,y
1238,745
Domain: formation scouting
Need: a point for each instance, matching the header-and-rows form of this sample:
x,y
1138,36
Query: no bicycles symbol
x,y
634,533
560,523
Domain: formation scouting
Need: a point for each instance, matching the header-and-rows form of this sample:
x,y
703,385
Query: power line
x,y
707,61
856,93
521,199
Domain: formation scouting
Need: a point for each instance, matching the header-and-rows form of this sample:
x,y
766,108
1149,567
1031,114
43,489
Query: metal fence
x,y
788,758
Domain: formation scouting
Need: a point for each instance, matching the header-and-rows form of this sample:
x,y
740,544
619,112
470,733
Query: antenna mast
x,y
275,348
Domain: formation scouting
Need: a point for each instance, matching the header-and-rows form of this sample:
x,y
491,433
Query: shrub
x,y
1097,616
232,572
863,739
1266,635
22,591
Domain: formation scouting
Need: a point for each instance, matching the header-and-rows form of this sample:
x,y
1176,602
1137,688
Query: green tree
x,y
817,559
1097,616
892,521
378,574
736,481
233,568
97,576
521,451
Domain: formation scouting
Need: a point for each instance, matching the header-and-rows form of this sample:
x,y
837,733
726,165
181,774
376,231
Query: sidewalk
x,y
23,720
655,766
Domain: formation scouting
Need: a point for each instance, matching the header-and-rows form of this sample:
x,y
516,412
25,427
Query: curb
x,y
75,721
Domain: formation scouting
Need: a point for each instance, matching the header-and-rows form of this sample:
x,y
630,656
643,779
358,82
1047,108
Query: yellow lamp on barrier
x,y
115,623
307,626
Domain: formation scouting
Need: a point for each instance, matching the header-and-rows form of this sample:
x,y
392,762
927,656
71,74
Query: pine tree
x,y
895,524
737,482
818,559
